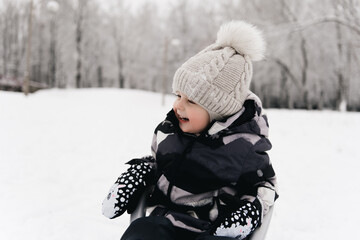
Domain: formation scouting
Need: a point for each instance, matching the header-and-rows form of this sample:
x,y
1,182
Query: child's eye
x,y
191,102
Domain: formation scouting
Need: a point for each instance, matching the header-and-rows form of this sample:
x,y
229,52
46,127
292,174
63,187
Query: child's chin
x,y
184,129
187,130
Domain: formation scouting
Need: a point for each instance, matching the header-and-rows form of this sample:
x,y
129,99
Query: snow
x,y
61,150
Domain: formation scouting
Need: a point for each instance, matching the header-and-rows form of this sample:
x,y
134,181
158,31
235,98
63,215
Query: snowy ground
x,y
60,151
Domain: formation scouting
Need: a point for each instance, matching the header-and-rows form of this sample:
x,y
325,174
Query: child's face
x,y
192,117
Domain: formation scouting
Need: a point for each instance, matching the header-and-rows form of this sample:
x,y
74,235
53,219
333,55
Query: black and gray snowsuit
x,y
199,177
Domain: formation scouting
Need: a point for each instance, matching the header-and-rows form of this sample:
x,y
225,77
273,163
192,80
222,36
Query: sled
x,y
258,234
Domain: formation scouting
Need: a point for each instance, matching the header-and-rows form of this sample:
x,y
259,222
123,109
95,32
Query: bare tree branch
x,y
288,72
302,26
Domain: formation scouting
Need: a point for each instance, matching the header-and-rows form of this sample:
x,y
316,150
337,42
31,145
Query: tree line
x,y
312,59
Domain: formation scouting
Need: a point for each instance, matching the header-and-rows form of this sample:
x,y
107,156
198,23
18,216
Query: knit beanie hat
x,y
218,78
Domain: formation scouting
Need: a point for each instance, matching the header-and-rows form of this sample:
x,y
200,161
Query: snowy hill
x,y
60,151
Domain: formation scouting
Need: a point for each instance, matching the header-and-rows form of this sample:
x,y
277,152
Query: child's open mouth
x,y
183,119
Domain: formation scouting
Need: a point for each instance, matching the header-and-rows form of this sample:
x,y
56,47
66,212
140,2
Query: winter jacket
x,y
198,174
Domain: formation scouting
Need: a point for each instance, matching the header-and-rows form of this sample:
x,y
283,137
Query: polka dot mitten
x,y
240,223
126,191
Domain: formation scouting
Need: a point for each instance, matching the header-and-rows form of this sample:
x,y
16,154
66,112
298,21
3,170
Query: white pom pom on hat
x,y
244,37
218,77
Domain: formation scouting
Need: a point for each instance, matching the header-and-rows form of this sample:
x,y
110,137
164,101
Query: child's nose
x,y
179,104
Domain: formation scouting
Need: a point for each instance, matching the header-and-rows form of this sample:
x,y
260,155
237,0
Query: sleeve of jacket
x,y
154,145
263,179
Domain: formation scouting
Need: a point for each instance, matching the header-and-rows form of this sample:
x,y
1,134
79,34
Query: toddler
x,y
209,173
